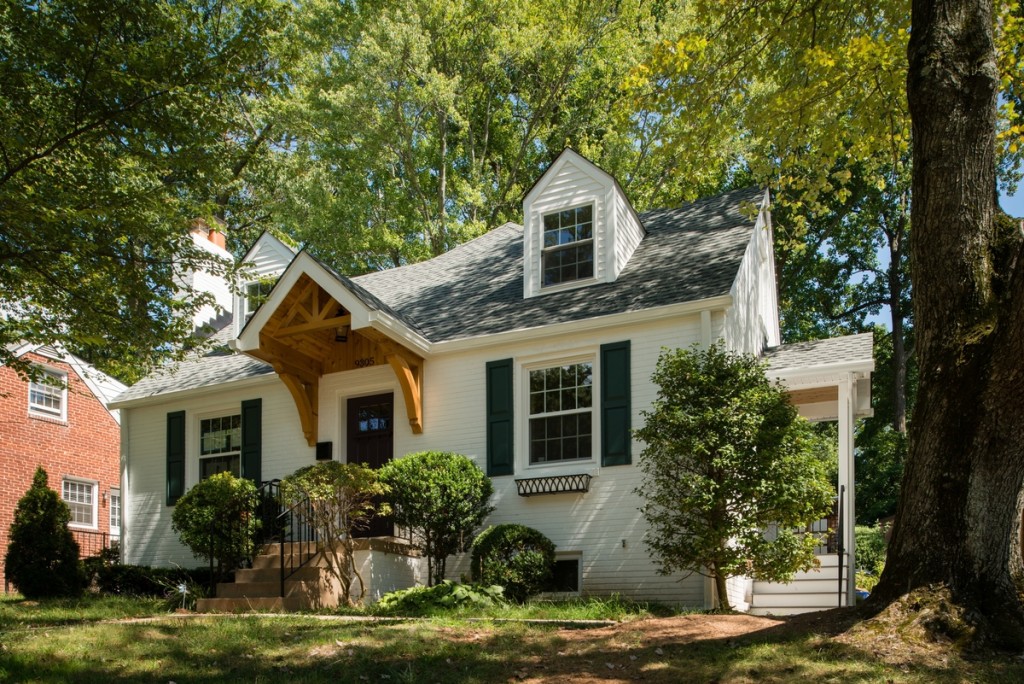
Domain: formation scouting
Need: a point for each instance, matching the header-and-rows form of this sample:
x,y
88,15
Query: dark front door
x,y
370,442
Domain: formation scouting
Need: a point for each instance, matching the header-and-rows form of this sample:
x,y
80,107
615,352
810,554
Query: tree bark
x,y
956,522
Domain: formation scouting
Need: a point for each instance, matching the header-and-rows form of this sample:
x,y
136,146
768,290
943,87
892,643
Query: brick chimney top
x,y
214,234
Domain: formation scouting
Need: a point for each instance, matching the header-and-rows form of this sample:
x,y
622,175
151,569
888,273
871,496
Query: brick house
x,y
66,428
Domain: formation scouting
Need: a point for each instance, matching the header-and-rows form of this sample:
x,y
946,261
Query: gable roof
x,y
689,254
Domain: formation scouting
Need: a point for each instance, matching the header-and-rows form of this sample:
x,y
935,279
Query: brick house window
x,y
80,496
48,394
115,512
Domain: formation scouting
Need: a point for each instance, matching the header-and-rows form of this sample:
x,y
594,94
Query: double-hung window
x,y
256,293
568,248
561,413
115,512
48,394
80,496
220,445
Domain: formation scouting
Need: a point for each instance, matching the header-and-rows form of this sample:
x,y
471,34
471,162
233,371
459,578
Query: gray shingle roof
x,y
848,349
689,253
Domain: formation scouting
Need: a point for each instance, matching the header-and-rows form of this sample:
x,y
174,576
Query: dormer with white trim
x,y
264,263
578,228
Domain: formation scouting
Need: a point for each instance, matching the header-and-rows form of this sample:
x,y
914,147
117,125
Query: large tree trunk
x,y
957,515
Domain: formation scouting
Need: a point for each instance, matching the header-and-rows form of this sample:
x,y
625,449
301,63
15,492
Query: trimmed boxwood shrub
x,y
516,557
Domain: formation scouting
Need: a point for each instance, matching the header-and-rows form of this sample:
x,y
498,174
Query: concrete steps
x,y
259,588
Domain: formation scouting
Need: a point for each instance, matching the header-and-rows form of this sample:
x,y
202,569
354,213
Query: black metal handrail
x,y
292,526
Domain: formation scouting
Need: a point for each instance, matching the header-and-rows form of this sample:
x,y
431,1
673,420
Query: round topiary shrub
x,y
516,557
42,557
217,520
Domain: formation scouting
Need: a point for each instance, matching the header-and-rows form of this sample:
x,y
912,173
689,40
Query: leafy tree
x,y
341,500
442,498
727,457
121,123
217,520
516,557
958,519
42,556
418,125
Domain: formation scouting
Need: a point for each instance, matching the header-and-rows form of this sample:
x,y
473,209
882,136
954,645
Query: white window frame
x,y
544,251
227,412
93,491
568,556
115,493
46,389
247,310
523,425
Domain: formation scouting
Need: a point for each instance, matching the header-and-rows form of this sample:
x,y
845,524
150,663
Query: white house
x,y
529,349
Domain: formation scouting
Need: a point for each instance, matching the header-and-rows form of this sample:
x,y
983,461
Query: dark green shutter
x,y
500,426
615,408
175,456
252,439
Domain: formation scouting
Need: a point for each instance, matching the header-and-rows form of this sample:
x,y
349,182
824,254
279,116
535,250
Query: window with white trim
x,y
48,394
220,445
568,247
256,293
115,512
561,413
80,496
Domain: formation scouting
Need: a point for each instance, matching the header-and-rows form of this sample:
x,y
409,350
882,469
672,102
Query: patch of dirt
x,y
684,629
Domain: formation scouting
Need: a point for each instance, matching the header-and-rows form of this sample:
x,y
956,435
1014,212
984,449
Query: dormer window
x,y
568,253
255,294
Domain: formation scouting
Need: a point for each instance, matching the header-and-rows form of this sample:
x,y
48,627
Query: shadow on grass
x,y
303,650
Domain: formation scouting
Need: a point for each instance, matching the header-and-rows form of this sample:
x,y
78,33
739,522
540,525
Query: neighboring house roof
x,y
689,254
835,351
102,386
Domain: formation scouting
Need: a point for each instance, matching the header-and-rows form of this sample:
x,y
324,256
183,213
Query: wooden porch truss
x,y
310,335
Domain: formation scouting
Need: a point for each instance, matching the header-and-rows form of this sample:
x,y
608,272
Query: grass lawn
x,y
94,640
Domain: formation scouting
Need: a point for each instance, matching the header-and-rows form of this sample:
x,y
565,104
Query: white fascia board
x,y
829,373
564,157
398,331
625,318
192,392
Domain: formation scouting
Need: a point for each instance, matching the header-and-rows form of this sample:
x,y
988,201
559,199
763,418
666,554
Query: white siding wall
x,y
146,528
628,233
752,323
202,281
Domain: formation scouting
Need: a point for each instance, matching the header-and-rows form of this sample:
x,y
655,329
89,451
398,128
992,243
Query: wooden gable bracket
x,y
305,393
301,376
409,369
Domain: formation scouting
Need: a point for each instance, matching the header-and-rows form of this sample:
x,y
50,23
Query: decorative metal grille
x,y
556,484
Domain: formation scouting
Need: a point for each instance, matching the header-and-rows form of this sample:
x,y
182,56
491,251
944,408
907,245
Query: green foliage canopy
x,y
727,457
42,555
120,123
442,498
516,557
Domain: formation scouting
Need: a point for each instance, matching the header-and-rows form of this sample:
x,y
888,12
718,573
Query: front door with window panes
x,y
220,446
370,442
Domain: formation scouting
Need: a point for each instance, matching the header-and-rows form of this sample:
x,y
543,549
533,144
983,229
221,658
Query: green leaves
x,y
216,520
727,457
442,497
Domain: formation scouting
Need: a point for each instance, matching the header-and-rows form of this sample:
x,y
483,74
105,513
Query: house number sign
x,y
363,363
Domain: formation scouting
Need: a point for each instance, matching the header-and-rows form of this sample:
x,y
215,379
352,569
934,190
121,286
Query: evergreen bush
x,y
42,556
516,557
217,520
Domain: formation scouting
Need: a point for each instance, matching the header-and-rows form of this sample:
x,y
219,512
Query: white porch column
x,y
847,388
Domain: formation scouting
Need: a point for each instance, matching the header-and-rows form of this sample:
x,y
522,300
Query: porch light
x,y
341,333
